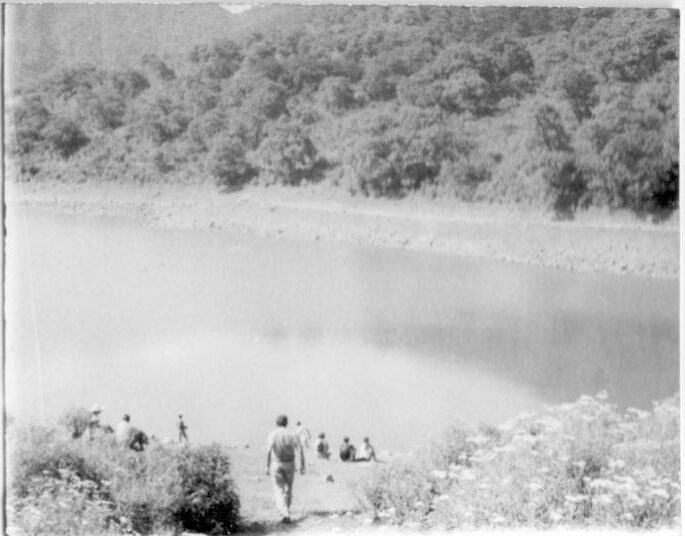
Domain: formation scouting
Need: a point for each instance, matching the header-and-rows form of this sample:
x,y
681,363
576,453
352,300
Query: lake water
x,y
231,330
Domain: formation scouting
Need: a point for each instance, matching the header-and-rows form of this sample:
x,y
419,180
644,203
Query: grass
x,y
581,464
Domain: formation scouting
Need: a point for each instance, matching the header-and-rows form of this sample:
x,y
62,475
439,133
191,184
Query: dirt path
x,y
595,241
319,505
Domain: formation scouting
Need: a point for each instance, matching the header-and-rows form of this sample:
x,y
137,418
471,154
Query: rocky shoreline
x,y
594,242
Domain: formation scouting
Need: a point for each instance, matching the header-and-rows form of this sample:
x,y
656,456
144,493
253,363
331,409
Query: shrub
x,y
65,136
76,421
31,116
58,485
399,493
209,502
573,464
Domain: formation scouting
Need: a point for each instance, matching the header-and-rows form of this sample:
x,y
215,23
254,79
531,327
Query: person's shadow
x,y
267,527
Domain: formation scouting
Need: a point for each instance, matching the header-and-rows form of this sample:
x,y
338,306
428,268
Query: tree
x,y
397,153
578,86
287,155
30,118
336,93
65,136
550,129
161,118
156,68
217,60
107,109
228,163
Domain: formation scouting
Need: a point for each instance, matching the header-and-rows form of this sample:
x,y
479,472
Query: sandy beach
x,y
617,243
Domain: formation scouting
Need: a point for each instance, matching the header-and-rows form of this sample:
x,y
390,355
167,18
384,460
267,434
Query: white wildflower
x,y
477,439
440,474
658,492
617,464
555,516
575,498
534,486
602,395
640,414
603,500
602,483
467,474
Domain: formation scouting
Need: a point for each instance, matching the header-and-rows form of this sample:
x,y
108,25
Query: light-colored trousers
x,y
283,474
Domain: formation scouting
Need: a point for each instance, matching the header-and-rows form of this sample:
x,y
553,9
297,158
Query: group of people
x,y
284,446
347,451
125,434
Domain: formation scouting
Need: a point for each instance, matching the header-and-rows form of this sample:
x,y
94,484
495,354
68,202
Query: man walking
x,y
280,463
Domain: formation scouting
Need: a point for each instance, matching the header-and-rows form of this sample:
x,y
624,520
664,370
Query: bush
x,y
574,464
58,485
208,502
76,421
65,136
31,116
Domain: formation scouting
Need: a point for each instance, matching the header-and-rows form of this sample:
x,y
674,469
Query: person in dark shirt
x,y
322,449
347,450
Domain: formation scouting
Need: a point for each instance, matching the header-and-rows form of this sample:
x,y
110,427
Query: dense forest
x,y
566,108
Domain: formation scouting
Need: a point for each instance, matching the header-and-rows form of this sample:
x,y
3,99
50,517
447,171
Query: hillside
x,y
549,107
46,37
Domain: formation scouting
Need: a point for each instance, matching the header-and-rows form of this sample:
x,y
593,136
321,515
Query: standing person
x,y
122,431
182,436
94,422
303,434
280,460
347,450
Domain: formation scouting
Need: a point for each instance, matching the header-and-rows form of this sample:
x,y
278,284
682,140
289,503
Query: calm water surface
x,y
231,330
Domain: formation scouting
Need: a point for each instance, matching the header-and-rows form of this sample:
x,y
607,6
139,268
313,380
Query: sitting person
x,y
366,452
138,439
322,449
123,430
347,450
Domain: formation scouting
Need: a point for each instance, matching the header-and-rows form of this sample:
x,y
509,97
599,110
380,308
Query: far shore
x,y
595,241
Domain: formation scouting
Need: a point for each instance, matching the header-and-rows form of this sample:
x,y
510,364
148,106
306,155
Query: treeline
x,y
564,107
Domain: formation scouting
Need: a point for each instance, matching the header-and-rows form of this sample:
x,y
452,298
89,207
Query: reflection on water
x,y
230,330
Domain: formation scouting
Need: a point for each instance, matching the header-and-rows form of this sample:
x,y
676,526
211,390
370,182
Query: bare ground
x,y
596,241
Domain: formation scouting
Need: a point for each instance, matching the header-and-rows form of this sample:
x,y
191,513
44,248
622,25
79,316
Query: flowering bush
x,y
573,464
59,485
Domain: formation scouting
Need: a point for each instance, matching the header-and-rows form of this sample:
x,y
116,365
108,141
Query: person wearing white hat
x,y
94,421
